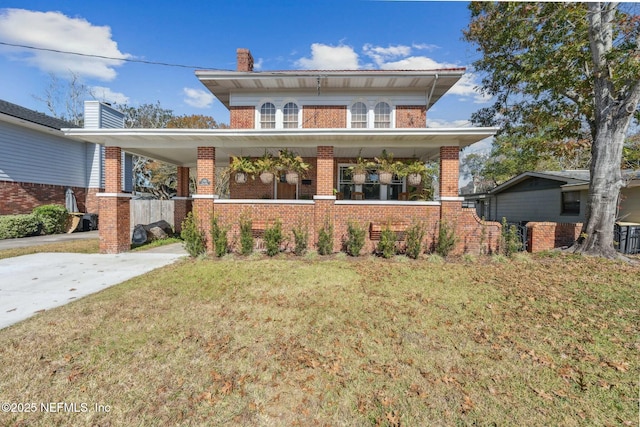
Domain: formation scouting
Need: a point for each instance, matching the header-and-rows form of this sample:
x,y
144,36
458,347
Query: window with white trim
x,y
382,115
359,115
268,116
290,115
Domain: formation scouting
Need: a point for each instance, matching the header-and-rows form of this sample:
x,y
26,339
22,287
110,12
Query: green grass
x,y
82,246
326,341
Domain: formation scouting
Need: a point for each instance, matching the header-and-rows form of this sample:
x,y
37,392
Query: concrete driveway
x,y
30,284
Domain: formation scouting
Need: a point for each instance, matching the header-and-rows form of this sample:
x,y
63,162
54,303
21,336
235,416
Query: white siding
x,y
306,98
41,157
541,205
101,116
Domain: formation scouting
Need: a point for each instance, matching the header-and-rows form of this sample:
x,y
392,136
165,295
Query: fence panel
x,y
148,211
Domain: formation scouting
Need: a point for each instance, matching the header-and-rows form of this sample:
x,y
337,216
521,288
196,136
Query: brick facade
x,y
544,236
317,117
411,116
242,117
23,197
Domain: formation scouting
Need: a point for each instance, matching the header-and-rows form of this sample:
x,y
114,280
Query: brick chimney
x,y
245,60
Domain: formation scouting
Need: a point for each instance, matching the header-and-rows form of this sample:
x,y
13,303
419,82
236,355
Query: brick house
x,y
327,117
39,162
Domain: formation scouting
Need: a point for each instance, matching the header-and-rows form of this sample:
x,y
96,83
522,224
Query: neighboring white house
x,y
39,163
554,196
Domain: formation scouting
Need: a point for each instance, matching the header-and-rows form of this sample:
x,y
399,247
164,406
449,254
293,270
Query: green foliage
x,y
246,235
273,238
300,238
447,238
53,218
325,239
194,238
510,242
414,237
15,226
355,238
387,244
219,238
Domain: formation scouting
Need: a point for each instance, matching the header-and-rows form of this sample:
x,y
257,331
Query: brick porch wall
x,y
543,236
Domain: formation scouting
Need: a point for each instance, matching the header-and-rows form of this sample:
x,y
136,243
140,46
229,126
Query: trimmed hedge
x,y
14,226
53,218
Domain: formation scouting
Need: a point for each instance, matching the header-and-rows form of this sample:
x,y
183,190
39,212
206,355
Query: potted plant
x,y
414,171
293,165
359,170
386,167
267,167
242,167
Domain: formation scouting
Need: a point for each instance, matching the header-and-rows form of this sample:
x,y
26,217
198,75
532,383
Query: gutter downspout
x,y
431,91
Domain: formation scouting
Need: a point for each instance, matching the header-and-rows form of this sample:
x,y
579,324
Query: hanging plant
x,y
414,171
293,165
243,168
266,167
359,170
386,167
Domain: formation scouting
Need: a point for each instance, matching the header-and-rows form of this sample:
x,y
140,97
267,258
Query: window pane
x,y
268,116
359,115
571,202
382,115
290,115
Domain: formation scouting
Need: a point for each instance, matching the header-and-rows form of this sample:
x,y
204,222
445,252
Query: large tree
x,y
564,73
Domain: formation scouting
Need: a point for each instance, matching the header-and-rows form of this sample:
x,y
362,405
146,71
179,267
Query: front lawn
x,y
284,341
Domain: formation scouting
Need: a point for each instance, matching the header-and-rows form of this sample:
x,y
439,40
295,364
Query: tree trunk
x,y
612,114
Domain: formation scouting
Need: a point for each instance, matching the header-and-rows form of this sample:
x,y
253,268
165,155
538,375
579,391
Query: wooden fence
x,y
148,211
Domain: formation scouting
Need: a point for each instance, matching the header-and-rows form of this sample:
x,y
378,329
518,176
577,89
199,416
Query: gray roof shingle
x,y
32,116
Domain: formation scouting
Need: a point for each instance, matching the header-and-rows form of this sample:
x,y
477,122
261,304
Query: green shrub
x,y
387,244
194,238
219,238
14,226
300,238
246,235
325,239
414,236
446,239
355,239
273,238
510,242
53,218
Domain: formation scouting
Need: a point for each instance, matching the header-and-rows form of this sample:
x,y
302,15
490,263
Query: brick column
x,y
450,202
204,199
324,208
324,173
182,203
114,217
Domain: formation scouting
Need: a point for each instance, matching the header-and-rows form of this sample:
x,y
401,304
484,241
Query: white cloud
x,y
105,94
325,57
439,123
198,98
56,31
381,55
468,87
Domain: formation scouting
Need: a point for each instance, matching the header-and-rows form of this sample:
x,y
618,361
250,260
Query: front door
x,y
285,191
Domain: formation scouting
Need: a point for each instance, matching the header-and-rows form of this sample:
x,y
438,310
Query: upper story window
x,y
268,116
290,115
359,115
382,115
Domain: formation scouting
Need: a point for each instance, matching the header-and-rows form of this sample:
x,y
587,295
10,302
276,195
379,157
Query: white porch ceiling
x,y
179,146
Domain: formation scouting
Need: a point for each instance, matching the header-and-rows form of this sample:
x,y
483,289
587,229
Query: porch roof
x,y
433,83
179,146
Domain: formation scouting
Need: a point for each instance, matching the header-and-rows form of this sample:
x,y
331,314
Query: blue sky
x,y
282,35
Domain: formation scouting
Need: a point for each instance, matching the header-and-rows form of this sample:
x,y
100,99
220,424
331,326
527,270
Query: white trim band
x,y
451,199
205,196
316,197
127,195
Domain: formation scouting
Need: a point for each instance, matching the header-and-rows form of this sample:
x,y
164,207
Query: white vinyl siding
x,y
41,157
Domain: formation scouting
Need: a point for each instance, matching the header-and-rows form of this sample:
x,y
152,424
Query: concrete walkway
x,y
30,284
